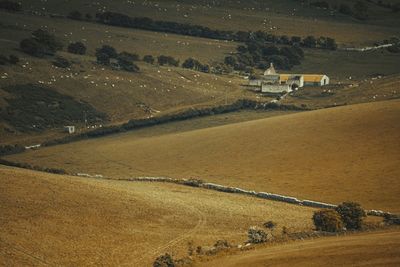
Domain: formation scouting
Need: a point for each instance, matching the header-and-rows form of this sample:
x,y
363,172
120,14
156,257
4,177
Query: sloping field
x,y
333,155
371,249
70,221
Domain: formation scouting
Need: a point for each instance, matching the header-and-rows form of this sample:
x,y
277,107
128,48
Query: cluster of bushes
x,y
118,19
194,64
10,6
31,167
61,62
42,43
11,59
108,56
259,55
11,149
348,215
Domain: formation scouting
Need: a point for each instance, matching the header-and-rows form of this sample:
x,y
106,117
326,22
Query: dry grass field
x,y
367,249
332,155
70,221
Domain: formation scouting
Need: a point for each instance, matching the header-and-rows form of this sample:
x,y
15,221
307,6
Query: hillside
x,y
331,155
377,249
60,220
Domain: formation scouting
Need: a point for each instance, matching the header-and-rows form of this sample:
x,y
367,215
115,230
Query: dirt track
x,y
369,249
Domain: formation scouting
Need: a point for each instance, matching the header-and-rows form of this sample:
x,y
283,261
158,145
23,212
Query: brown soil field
x,y
70,221
348,153
367,249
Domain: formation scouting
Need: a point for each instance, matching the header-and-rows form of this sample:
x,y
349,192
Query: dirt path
x,y
367,249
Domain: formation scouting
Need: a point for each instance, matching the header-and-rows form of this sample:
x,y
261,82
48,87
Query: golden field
x,y
64,221
332,155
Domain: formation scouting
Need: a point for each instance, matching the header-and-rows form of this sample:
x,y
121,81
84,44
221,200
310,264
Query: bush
x,y
103,59
10,6
50,41
270,225
61,62
75,15
328,221
352,215
127,65
149,59
129,56
167,60
13,59
164,261
256,235
108,50
310,42
392,219
77,48
345,9
32,47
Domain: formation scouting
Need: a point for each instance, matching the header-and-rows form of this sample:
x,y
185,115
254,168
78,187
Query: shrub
x,y
221,244
127,64
61,62
164,261
10,6
75,15
50,41
148,59
13,59
108,50
310,42
392,219
32,47
270,225
77,48
129,56
328,221
230,61
167,60
256,235
352,214
103,59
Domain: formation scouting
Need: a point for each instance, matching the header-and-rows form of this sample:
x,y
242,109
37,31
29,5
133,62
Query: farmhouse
x,y
275,83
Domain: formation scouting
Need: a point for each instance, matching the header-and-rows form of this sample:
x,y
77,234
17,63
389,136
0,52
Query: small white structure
x,y
274,83
69,129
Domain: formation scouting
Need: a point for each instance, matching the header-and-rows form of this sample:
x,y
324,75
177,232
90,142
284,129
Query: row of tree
x,y
359,10
118,19
259,55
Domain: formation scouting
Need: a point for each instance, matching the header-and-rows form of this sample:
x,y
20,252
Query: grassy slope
x,y
62,220
368,249
280,17
333,155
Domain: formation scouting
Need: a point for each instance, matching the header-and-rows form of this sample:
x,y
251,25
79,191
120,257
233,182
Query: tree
x,y
345,9
167,60
331,43
352,215
77,48
149,59
126,64
360,10
13,59
129,56
327,220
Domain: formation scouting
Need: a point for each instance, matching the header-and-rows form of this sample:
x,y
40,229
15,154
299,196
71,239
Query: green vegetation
x,y
167,60
194,64
41,43
124,60
77,48
328,221
35,108
10,6
164,261
352,215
